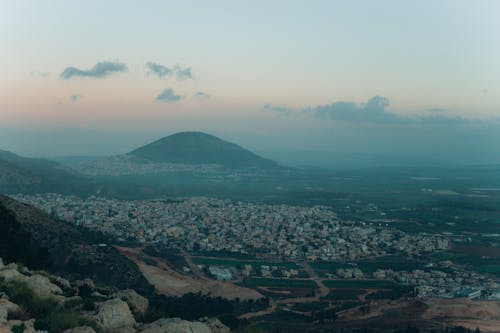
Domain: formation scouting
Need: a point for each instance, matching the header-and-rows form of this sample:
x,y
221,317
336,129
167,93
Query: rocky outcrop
x,y
42,287
39,284
29,326
6,308
137,303
9,275
114,315
176,325
215,325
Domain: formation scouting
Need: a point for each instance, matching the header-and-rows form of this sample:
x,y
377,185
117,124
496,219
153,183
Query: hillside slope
x,y
29,236
200,148
22,174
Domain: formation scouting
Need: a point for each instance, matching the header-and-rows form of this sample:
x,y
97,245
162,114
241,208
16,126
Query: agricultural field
x,y
285,283
360,284
242,262
368,266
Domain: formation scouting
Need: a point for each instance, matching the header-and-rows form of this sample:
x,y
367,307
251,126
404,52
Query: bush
x,y
18,328
50,315
59,321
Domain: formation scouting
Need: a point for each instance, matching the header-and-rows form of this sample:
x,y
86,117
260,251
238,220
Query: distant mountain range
x,y
200,148
21,174
185,152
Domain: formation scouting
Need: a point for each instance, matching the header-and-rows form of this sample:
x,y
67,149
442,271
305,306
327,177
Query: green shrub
x,y
18,328
59,321
50,315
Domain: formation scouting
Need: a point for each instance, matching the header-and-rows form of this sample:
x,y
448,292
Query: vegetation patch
x,y
266,282
50,314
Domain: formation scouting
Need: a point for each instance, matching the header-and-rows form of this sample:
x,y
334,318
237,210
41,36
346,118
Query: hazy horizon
x,y
416,79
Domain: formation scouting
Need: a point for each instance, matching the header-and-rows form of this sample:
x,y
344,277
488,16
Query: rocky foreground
x,y
35,301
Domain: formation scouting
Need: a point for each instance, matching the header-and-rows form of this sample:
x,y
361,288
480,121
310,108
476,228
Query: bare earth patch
x,y
171,283
465,312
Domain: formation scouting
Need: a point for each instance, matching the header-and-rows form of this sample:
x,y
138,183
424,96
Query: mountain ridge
x,y
24,174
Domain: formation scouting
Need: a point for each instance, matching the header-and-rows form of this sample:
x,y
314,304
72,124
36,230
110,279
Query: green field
x,y
476,262
345,294
287,283
368,266
359,284
242,262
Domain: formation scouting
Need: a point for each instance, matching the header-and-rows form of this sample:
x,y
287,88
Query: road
x,y
322,291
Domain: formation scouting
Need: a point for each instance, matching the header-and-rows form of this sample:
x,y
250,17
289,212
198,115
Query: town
x,y
209,224
276,233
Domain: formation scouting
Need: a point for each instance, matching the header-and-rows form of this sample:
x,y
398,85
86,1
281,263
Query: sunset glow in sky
x,y
288,72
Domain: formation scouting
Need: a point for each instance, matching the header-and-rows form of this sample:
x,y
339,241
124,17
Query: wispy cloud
x,y
75,97
158,69
168,95
162,71
100,70
183,73
375,110
202,95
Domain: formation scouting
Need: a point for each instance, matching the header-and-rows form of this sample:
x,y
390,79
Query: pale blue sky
x,y
303,57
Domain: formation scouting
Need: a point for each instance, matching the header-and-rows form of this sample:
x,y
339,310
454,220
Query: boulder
x,y
12,265
87,283
81,329
114,315
10,274
215,325
28,326
42,287
1,264
6,308
136,302
61,282
176,325
39,284
24,270
85,287
97,294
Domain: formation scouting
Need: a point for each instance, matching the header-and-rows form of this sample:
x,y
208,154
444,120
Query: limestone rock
x,y
61,282
85,287
28,324
136,302
176,325
24,270
12,265
215,325
97,294
10,274
42,286
6,308
114,315
86,282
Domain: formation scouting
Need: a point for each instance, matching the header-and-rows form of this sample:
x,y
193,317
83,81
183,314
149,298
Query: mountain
x,y
30,236
200,148
22,174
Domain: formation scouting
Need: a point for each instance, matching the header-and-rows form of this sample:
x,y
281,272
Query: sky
x,y
388,77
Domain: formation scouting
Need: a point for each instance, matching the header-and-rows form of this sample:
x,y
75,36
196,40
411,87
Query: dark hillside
x,y
200,148
29,236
